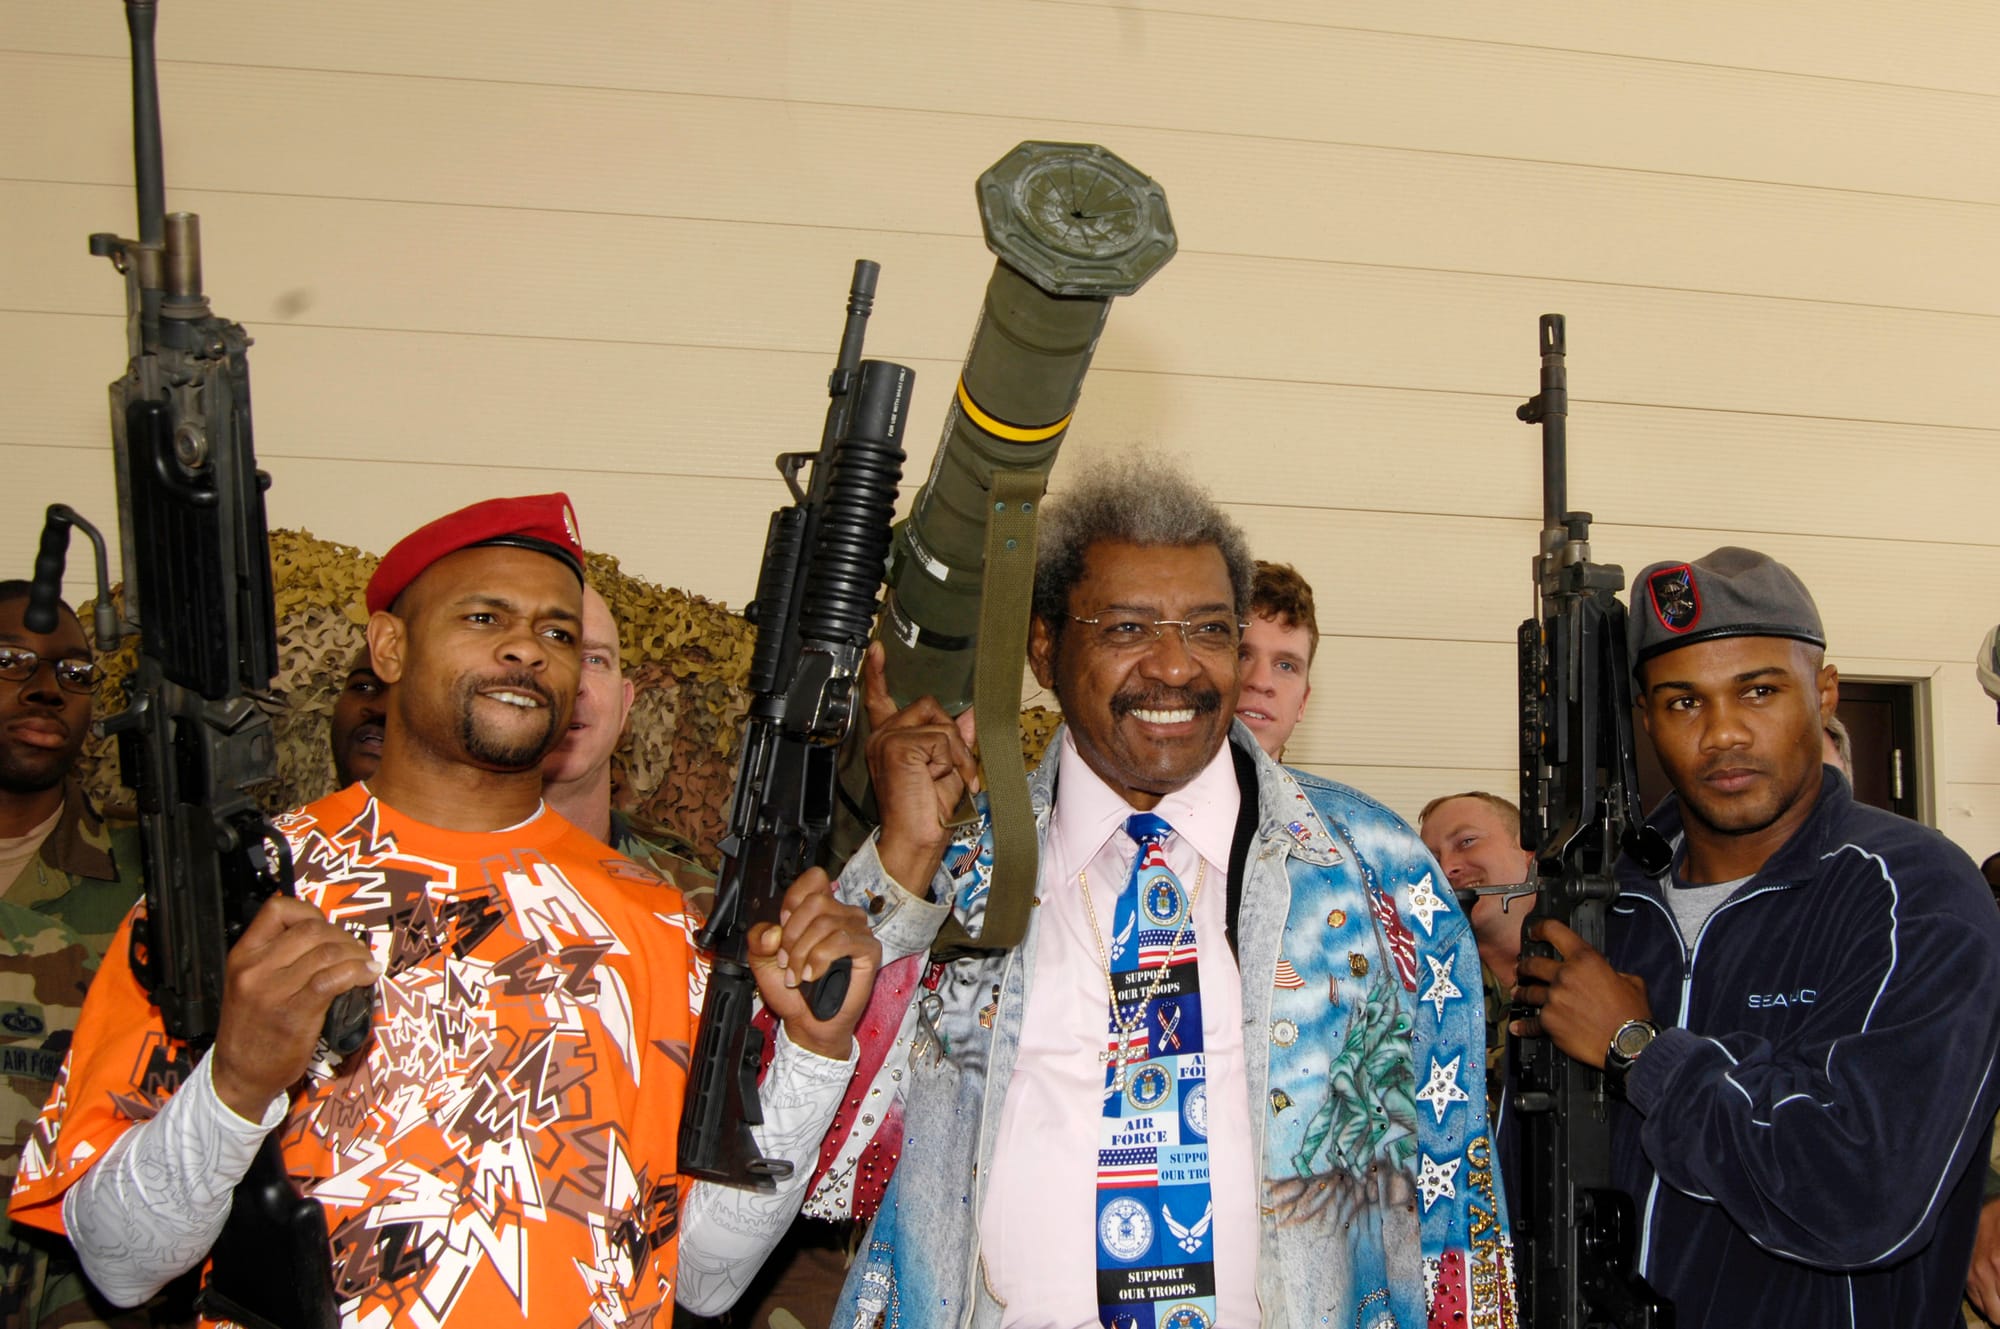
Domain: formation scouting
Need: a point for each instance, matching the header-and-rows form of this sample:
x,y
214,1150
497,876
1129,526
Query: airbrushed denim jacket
x,y
1380,1202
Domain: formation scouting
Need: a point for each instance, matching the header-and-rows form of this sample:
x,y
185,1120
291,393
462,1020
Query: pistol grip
x,y
825,994
348,1020
45,593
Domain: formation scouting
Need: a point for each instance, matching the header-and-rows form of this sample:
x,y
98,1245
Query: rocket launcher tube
x,y
1073,226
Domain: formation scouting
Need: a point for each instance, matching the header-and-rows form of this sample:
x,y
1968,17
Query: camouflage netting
x,y
1038,726
687,658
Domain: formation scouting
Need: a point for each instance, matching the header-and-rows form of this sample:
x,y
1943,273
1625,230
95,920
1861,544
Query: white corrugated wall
x,y
493,246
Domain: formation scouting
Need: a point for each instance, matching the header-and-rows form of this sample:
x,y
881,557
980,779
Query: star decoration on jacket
x,y
1434,1180
1443,1089
1425,902
1442,987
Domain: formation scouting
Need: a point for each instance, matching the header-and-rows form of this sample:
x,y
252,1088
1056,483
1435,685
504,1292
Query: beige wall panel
x,y
1178,71
68,360
1405,791
594,278
1934,45
566,149
1461,333
1323,446
1970,815
561,406
1390,702
1967,739
682,410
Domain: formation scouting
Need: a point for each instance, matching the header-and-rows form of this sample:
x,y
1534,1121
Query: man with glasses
x,y
69,878
1233,1074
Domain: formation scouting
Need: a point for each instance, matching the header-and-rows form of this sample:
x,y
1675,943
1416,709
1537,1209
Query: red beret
x,y
545,523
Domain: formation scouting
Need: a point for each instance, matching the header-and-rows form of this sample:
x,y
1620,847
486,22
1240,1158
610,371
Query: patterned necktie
x,y
1155,1258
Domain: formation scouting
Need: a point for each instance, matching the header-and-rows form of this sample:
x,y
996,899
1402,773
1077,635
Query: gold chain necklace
x,y
1127,1031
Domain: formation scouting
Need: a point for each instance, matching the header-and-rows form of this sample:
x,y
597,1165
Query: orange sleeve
x,y
121,1067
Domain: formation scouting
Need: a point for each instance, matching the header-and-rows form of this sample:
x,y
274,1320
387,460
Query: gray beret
x,y
1729,593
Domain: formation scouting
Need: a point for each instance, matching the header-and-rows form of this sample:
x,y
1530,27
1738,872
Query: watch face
x,y
1632,1038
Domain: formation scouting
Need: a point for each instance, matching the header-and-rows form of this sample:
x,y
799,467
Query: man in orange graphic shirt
x,y
502,1150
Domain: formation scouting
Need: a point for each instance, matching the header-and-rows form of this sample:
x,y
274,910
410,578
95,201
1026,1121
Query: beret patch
x,y
1676,603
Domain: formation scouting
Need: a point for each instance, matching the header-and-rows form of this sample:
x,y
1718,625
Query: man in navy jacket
x,y
1802,1013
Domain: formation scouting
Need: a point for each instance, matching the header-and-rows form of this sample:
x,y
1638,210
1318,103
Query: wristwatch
x,y
1632,1038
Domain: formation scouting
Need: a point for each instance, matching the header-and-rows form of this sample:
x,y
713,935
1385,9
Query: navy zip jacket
x,y
1806,1147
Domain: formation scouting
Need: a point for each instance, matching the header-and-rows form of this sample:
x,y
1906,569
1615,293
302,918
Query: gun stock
x,y
817,593
1579,807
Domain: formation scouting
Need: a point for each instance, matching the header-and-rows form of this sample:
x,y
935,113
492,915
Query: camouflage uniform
x,y
653,846
58,915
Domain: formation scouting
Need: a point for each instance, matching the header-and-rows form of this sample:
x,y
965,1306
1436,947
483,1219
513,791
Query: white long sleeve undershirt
x,y
151,1208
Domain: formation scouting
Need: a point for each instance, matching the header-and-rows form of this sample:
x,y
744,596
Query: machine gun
x,y
1072,226
193,741
816,597
1579,809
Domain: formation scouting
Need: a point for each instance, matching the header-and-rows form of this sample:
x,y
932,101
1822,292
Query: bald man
x,y
576,775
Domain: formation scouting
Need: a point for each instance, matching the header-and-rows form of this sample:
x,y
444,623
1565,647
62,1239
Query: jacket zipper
x,y
1688,957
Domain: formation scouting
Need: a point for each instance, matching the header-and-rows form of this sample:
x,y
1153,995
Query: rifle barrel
x,y
147,158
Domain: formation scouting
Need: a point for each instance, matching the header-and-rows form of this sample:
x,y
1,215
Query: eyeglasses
x,y
19,664
1210,634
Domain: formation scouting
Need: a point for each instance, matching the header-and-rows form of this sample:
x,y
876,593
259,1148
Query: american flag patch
x,y
1156,943
1287,977
1137,1048
1128,1167
1402,943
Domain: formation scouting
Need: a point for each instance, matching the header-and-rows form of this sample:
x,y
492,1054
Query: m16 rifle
x,y
1579,809
1072,227
816,597
193,741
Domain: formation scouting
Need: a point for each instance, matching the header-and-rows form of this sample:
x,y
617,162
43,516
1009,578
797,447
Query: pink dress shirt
x,y
1038,1226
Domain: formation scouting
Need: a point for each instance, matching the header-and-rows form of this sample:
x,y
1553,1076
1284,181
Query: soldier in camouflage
x,y
69,879
577,774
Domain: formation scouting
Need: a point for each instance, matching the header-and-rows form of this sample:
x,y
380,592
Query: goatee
x,y
498,750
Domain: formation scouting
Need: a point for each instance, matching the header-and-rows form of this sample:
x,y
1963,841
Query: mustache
x,y
46,714
1202,700
1733,764
518,681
